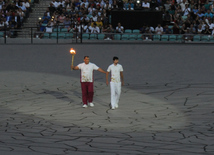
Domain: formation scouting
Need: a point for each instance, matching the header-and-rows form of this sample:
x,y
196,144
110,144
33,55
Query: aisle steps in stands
x,y
38,10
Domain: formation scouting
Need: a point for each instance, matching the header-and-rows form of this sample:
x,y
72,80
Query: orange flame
x,y
72,51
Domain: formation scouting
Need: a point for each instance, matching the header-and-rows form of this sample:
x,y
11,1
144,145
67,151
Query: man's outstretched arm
x,y
75,67
101,70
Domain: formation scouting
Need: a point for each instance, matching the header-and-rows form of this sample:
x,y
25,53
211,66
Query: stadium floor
x,y
166,105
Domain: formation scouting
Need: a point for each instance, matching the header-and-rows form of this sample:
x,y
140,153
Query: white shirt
x,y
87,71
211,26
26,4
95,29
120,29
159,30
186,11
115,72
86,4
146,5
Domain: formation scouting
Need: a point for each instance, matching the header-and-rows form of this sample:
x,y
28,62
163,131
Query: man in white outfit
x,y
116,81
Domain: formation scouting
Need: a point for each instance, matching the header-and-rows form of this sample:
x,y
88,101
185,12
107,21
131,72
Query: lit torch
x,y
73,52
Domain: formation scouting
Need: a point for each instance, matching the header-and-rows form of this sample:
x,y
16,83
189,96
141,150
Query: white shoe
x,y
85,106
116,106
91,104
113,108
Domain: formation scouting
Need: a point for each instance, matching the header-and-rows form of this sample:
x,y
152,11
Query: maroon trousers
x,y
87,92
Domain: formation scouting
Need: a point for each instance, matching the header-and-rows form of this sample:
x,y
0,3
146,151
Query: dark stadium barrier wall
x,y
136,19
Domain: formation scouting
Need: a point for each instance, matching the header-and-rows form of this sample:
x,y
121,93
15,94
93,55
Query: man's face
x,y
86,60
116,61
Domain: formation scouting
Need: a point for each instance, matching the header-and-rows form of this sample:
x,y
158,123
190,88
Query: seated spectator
x,y
207,30
99,23
62,2
104,19
145,4
55,3
52,9
45,18
171,11
200,14
77,5
24,9
192,4
17,19
27,5
211,24
67,23
147,35
48,12
8,17
109,32
188,36
107,6
182,4
199,30
192,29
115,5
44,21
159,29
143,29
129,5
85,4
167,30
195,10
207,5
179,10
186,10
151,29
13,27
87,28
91,9
183,29
167,18
208,14
176,28
49,27
119,28
95,28
61,19
188,21
94,17
167,5
21,14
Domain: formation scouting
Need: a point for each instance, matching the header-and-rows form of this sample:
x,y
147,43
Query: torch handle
x,y
72,61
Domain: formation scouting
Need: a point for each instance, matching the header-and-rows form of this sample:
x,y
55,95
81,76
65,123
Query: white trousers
x,y
115,93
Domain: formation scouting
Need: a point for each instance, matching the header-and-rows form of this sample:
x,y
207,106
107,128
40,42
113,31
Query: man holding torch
x,y
87,80
116,81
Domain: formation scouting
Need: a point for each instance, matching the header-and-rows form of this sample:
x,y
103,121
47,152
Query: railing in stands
x,y
60,35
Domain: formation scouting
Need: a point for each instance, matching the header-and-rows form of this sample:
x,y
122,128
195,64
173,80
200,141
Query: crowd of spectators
x,y
93,16
13,15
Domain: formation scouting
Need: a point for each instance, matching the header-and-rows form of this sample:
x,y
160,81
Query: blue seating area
x,y
127,37
130,35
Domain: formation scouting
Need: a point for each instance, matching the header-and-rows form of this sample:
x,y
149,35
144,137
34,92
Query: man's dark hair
x,y
86,57
115,58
